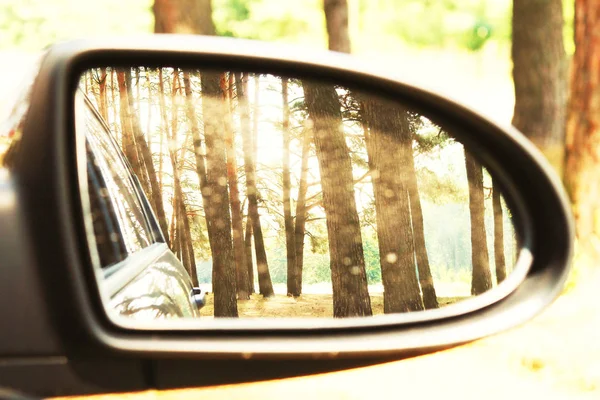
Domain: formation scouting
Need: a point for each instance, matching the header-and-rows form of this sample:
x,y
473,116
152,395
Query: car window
x,y
121,224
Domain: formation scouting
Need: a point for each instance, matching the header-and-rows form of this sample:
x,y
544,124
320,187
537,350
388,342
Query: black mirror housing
x,y
80,350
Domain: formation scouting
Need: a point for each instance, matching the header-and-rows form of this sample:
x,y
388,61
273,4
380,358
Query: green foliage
x,y
467,23
438,190
476,37
371,252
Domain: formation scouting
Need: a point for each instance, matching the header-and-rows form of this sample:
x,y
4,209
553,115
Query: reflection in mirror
x,y
280,197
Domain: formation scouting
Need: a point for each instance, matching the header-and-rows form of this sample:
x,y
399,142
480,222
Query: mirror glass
x,y
235,194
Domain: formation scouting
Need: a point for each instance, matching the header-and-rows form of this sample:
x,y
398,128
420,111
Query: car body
x,y
141,276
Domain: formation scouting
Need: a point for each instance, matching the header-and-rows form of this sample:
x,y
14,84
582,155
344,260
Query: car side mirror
x,y
413,199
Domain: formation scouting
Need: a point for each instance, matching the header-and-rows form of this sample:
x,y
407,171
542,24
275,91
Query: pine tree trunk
x,y
498,235
103,105
348,274
154,192
301,211
290,244
187,247
425,278
183,16
218,214
138,136
264,277
540,75
387,141
113,90
234,195
582,169
182,224
481,278
127,138
248,253
336,17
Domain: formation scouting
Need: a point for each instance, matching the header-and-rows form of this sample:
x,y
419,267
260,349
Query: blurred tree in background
x,y
540,75
582,168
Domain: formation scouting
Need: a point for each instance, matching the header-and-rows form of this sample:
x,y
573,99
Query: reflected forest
x,y
285,197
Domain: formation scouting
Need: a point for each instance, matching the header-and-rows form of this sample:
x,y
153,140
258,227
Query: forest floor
x,y
304,306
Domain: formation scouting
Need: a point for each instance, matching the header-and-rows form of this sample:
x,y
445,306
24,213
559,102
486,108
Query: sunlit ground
x,y
304,306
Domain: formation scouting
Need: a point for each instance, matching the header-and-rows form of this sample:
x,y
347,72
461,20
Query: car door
x,y
140,276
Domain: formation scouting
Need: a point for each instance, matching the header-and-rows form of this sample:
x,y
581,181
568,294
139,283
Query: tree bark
x,y
113,90
582,170
102,91
183,16
138,136
301,211
425,278
336,18
540,75
390,141
127,142
288,219
264,277
184,245
154,192
234,195
481,279
248,253
348,274
498,234
218,215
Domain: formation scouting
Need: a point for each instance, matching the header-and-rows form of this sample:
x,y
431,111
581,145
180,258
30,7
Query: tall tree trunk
x,y
173,231
206,189
388,142
181,216
301,210
218,215
481,279
264,277
290,244
183,16
187,247
154,191
137,134
248,253
336,18
234,195
582,170
127,140
184,244
425,278
348,274
498,234
113,90
103,106
540,75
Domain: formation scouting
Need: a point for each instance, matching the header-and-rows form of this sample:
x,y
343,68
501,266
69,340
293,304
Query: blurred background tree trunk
x,y
540,75
582,166
336,18
183,16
